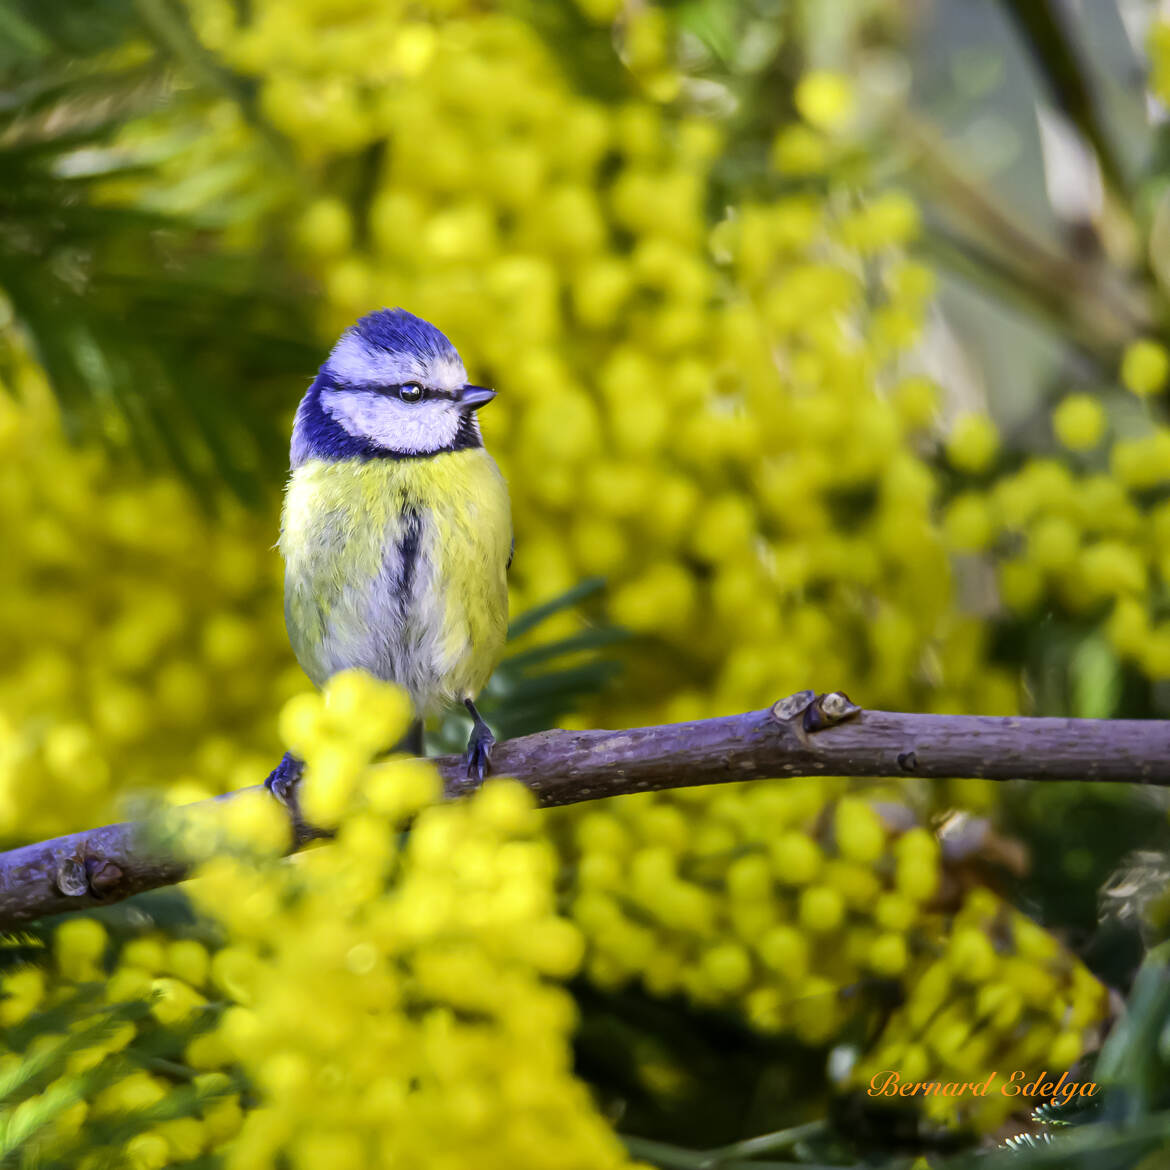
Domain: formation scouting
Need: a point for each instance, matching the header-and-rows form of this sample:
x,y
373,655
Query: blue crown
x,y
396,330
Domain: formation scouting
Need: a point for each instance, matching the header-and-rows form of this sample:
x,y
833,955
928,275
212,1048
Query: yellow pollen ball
x,y
973,443
507,806
325,229
78,945
786,951
727,966
822,909
825,99
916,402
968,523
302,722
888,955
1079,422
1144,367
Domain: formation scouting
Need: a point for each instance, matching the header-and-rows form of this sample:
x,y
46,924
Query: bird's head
x,y
393,385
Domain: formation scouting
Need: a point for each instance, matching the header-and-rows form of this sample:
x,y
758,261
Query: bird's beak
x,y
475,396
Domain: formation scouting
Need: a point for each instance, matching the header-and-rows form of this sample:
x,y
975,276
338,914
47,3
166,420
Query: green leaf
x,y
1132,1065
48,1059
531,618
152,341
532,688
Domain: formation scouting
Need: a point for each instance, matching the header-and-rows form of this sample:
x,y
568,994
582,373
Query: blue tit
x,y
396,532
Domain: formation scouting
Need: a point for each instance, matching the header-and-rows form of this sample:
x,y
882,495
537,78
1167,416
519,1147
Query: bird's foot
x,y
478,757
284,779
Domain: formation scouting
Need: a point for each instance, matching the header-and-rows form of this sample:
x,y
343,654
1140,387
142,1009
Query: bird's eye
x,y
410,392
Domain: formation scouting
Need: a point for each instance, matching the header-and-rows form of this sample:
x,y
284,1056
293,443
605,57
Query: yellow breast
x,y
398,566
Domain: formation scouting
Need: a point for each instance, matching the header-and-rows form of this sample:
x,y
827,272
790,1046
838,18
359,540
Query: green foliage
x,y
144,331
165,330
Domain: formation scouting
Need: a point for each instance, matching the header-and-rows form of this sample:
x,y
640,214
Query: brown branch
x,y
797,737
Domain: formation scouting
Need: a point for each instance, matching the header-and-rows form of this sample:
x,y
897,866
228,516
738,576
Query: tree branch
x,y
803,735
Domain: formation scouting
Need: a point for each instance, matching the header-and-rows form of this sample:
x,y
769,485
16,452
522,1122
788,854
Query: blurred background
x,y
829,338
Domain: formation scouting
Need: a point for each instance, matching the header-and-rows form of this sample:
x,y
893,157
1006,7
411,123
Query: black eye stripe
x,y
425,395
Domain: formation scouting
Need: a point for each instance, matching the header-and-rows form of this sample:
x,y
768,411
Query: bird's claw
x,y
284,779
478,757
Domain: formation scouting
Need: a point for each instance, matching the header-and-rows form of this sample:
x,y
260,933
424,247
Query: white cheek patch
x,y
393,424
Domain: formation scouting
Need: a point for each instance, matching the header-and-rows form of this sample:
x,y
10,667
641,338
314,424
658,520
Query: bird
x,y
396,530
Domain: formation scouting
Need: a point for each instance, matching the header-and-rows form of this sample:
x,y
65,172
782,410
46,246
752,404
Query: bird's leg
x,y
479,747
412,742
283,779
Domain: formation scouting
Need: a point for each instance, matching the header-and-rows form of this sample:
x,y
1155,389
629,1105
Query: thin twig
x,y
1091,299
662,1154
670,1157
797,737
767,1143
